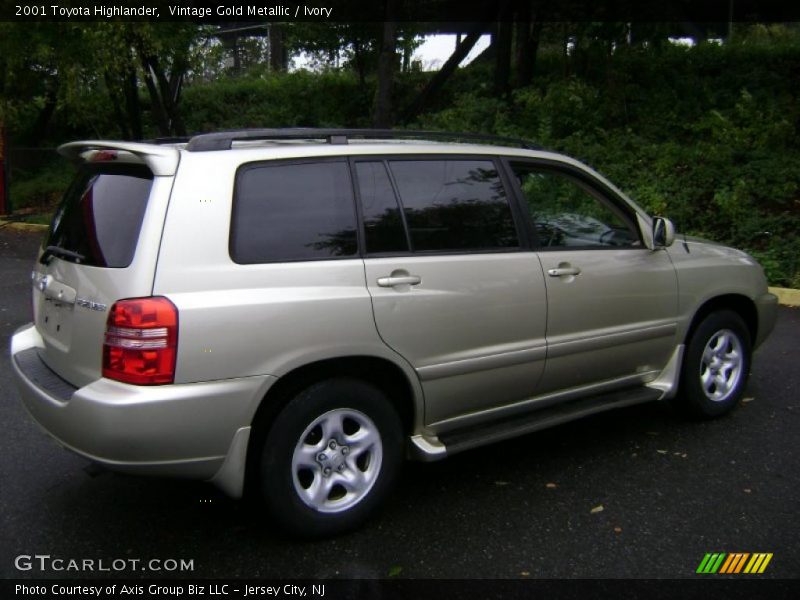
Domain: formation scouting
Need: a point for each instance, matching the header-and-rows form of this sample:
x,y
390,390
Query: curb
x,y
786,296
23,226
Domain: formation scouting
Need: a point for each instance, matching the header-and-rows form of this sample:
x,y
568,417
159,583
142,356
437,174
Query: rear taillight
x,y
141,341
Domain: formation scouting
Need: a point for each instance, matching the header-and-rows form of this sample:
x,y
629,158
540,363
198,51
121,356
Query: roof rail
x,y
224,140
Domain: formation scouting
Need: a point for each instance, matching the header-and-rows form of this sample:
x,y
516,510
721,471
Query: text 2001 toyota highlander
x,y
304,308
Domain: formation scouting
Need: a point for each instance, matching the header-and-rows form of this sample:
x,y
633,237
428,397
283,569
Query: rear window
x,y
289,212
101,214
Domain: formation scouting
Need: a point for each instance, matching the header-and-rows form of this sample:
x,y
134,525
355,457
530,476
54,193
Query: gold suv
x,y
305,308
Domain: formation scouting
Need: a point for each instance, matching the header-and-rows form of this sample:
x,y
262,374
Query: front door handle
x,y
394,280
561,271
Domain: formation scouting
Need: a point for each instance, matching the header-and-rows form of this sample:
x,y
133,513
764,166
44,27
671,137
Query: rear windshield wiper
x,y
59,251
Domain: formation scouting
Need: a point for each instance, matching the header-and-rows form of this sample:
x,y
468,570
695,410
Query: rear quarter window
x,y
101,213
290,212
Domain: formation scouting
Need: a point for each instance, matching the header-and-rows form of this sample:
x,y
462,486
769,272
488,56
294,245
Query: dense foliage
x,y
707,135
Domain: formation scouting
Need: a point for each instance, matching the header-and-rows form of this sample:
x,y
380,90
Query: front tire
x,y
716,366
330,457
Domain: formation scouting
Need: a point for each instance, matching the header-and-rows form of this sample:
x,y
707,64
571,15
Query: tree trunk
x,y
156,103
406,59
382,112
360,61
502,53
175,87
443,74
170,93
237,57
522,36
134,110
120,117
529,31
278,57
40,126
166,95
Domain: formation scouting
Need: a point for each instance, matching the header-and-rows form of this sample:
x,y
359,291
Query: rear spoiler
x,y
162,160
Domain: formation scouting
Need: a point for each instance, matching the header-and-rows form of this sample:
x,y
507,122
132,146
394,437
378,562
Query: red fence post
x,y
5,204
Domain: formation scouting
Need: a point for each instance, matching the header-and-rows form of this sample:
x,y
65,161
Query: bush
x,y
299,99
704,135
40,188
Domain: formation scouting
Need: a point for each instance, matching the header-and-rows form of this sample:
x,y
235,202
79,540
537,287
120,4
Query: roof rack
x,y
224,140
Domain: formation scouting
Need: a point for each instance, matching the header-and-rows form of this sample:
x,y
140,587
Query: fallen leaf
x,y
550,486
501,483
750,399
684,455
524,573
661,451
617,529
395,571
597,509
747,490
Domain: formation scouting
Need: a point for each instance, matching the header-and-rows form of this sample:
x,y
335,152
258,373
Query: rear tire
x,y
330,457
716,366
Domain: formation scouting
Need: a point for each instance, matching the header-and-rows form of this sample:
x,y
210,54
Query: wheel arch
x,y
380,372
695,399
738,303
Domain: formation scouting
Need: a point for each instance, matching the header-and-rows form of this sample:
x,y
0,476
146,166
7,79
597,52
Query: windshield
x,y
99,218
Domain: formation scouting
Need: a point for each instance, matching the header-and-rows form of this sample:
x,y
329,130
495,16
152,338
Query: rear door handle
x,y
56,291
561,271
399,280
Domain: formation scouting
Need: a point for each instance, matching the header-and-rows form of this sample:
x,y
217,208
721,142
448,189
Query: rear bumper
x,y
186,430
767,308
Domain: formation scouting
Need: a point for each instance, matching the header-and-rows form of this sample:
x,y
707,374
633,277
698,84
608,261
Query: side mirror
x,y
663,232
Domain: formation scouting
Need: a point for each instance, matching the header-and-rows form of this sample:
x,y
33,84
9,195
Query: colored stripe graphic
x,y
758,563
741,562
703,563
722,563
765,563
726,565
711,563
734,562
718,563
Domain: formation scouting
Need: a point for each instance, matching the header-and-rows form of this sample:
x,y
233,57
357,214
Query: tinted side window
x,y
454,205
293,212
101,214
567,214
383,223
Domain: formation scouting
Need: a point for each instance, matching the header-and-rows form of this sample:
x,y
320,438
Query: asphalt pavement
x,y
637,492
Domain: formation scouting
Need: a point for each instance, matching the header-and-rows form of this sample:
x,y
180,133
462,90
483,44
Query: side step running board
x,y
487,433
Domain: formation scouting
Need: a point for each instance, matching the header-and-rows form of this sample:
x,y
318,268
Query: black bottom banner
x,y
402,589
